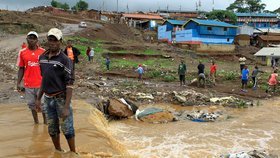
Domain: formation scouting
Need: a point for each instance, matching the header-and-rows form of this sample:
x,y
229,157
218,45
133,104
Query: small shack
x,y
173,25
266,40
242,40
267,54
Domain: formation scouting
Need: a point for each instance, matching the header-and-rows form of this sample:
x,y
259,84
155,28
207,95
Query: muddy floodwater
x,y
243,130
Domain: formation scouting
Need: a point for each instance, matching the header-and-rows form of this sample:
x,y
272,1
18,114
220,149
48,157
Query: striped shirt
x,y
57,72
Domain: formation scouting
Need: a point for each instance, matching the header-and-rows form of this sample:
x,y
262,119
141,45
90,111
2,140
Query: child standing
x,y
213,71
244,79
107,62
140,72
254,77
272,81
91,54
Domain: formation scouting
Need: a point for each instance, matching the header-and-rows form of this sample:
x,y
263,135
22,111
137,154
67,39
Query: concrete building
x,y
258,20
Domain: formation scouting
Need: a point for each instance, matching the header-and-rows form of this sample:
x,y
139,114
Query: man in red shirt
x,y
213,71
29,69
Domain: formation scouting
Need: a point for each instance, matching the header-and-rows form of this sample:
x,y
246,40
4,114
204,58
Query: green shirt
x,y
182,69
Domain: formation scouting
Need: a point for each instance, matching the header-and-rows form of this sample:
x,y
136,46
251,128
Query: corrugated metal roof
x,y
256,14
269,38
271,30
143,16
210,23
175,22
269,51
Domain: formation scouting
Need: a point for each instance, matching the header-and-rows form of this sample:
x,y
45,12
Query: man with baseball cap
x,y
29,70
57,86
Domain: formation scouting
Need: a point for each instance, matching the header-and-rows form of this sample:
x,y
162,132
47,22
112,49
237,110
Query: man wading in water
x,y
57,85
29,69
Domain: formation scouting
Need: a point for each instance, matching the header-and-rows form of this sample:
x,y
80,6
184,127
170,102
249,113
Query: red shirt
x,y
32,73
23,46
213,68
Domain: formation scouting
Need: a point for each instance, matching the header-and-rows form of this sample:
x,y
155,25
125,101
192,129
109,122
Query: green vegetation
x,y
169,78
57,4
228,75
151,52
222,15
277,10
80,5
247,6
241,104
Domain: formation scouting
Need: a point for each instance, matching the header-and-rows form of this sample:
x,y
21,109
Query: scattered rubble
x,y
250,154
198,116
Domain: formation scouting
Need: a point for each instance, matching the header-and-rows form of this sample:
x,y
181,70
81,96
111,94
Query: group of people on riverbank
x,y
245,73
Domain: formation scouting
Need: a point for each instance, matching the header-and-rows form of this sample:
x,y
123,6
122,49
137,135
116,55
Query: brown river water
x,y
246,129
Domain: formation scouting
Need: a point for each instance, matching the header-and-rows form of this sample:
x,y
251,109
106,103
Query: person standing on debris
x,y
140,72
72,53
254,77
272,81
107,62
29,70
91,54
244,78
88,50
242,62
182,69
57,87
201,75
213,72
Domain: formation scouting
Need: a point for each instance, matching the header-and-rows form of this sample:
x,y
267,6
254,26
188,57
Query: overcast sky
x,y
133,5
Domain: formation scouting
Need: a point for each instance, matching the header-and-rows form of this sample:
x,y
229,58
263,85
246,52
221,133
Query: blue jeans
x,y
54,107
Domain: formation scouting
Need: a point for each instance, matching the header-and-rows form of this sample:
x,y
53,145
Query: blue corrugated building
x,y
206,31
171,25
258,20
163,34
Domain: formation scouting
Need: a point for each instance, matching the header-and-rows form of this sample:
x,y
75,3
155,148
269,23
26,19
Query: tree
x,y
54,3
222,15
65,6
57,4
277,10
81,5
247,6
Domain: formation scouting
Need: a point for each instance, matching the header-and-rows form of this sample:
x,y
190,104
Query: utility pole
x,y
117,6
127,8
103,5
199,5
213,5
180,8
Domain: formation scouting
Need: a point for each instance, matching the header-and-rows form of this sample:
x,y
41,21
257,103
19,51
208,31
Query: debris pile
x,y
199,116
250,154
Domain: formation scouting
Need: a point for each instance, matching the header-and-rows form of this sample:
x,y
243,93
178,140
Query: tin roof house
x,y
198,31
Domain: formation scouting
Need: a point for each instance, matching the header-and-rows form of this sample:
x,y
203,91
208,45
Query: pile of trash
x,y
190,97
250,154
154,115
199,116
230,101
